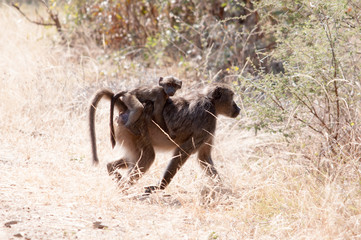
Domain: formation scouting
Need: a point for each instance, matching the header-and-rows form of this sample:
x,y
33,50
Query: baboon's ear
x,y
160,80
217,94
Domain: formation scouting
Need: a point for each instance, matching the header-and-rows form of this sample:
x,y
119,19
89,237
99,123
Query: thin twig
x,y
54,17
335,66
30,20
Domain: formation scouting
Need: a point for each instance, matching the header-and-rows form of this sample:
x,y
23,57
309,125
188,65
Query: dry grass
x,y
50,189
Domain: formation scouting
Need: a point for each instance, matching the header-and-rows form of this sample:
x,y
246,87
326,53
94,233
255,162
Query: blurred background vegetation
x,y
295,63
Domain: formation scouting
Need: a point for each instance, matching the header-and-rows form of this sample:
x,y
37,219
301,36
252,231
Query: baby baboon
x,y
157,94
193,121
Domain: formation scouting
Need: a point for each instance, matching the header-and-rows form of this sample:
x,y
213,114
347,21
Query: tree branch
x,y
335,66
30,20
54,17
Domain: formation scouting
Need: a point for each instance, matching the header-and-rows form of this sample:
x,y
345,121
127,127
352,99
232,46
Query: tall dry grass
x,y
48,186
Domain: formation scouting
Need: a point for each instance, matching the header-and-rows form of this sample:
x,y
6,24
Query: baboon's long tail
x,y
93,105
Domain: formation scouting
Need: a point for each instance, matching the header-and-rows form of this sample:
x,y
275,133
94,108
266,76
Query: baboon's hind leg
x,y
113,166
146,159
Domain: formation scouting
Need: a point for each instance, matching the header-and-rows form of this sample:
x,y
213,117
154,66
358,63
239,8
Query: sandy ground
x,y
50,190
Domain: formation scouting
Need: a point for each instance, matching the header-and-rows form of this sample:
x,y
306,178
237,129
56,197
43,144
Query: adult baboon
x,y
193,121
157,94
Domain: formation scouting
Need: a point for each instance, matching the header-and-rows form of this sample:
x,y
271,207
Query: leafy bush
x,y
211,36
318,43
116,24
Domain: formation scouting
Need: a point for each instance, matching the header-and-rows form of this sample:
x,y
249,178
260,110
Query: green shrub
x,y
318,44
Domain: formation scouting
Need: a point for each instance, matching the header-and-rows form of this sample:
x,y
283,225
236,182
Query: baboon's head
x,y
222,98
170,84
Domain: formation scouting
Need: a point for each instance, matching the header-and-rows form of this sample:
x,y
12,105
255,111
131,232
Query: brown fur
x,y
193,121
136,160
157,94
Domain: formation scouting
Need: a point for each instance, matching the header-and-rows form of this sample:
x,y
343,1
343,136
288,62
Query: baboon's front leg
x,y
205,160
179,158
